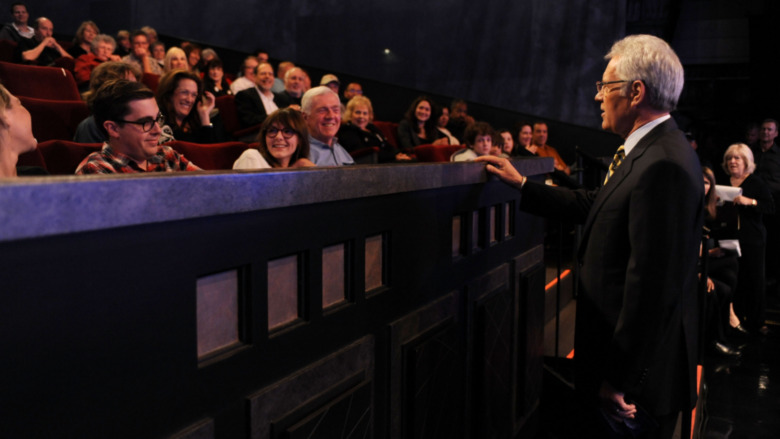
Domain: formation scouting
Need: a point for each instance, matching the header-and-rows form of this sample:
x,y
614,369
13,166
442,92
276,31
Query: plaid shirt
x,y
107,161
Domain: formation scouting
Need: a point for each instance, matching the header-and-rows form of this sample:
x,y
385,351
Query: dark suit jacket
x,y
637,313
250,108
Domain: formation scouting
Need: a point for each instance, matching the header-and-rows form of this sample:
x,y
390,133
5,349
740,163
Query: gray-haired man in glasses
x,y
127,114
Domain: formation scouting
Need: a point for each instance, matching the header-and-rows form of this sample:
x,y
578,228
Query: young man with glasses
x,y
127,114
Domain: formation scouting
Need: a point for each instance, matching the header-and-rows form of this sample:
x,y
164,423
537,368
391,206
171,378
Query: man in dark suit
x,y
256,103
637,314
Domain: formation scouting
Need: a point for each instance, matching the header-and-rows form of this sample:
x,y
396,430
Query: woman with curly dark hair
x,y
188,110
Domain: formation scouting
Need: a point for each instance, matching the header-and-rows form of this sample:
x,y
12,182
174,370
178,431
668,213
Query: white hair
x,y
651,60
308,97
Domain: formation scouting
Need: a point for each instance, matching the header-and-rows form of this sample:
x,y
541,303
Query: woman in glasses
x,y
284,143
188,110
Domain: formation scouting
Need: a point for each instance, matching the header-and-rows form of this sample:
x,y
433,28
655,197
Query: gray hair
x,y
741,150
651,60
308,97
102,38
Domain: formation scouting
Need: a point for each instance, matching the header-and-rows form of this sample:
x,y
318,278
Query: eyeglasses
x,y
287,133
147,123
600,85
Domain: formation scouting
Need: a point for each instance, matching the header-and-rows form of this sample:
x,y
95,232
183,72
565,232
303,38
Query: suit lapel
x,y
621,174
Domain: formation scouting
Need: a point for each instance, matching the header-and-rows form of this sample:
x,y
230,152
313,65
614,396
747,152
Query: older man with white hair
x,y
322,110
636,343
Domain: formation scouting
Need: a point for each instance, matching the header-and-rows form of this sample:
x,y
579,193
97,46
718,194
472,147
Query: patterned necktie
x,y
616,161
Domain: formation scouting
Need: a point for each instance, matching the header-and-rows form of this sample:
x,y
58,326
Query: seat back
x,y
212,156
151,80
435,153
389,130
54,83
62,157
32,158
7,48
54,119
227,110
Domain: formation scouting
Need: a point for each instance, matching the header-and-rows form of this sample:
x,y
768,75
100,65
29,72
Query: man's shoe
x,y
725,350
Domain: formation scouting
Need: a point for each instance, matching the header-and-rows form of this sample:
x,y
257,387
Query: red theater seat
x,y
435,153
229,114
54,119
151,80
389,130
62,157
7,48
32,158
54,83
213,156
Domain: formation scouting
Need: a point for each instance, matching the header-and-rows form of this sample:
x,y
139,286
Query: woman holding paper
x,y
756,200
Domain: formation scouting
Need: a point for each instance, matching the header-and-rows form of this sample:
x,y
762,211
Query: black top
x,y
352,138
46,58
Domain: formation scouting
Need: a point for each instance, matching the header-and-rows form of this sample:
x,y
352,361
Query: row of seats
x,y
61,157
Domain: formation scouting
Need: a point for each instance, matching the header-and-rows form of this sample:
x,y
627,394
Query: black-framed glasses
x,y
600,85
147,123
287,133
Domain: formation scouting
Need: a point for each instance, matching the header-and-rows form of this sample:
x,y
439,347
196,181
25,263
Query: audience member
x,y
193,56
188,110
479,140
129,119
246,78
294,86
82,42
331,81
158,52
175,59
207,55
16,135
42,49
140,55
123,44
322,110
542,149
255,104
441,125
751,135
87,131
459,118
102,50
418,127
261,55
525,133
151,34
353,89
358,132
18,28
508,142
722,267
214,79
284,143
755,201
281,71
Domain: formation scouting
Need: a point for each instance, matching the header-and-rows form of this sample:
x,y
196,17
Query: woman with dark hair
x,y
418,127
479,140
192,51
82,42
284,143
358,132
722,268
187,109
214,79
15,132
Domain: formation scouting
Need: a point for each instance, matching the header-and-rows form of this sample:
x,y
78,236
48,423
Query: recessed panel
x,y
333,260
282,291
475,236
217,311
456,234
508,219
493,224
374,261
